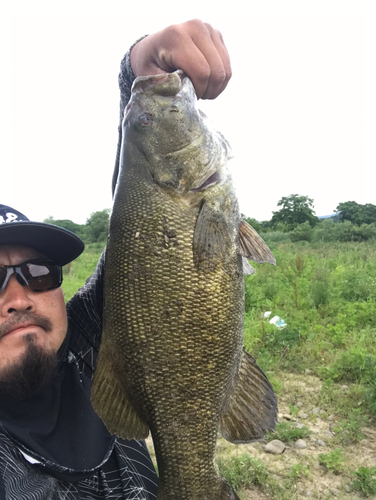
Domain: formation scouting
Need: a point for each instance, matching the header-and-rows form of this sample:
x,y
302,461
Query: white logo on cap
x,y
10,218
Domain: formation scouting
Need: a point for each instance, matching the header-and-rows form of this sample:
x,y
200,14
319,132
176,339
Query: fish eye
x,y
146,119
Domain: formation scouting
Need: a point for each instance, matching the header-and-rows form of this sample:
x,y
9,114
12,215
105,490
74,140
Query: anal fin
x,y
111,403
252,407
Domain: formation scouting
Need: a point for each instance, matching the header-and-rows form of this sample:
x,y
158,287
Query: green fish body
x,y
172,360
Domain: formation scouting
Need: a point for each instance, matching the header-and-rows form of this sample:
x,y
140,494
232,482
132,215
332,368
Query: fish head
x,y
184,154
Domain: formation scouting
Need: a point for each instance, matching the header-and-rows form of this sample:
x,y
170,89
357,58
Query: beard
x,y
24,378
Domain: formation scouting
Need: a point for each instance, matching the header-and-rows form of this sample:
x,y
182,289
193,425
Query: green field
x,y
326,294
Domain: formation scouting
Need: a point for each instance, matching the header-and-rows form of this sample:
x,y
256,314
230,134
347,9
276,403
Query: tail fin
x,y
227,492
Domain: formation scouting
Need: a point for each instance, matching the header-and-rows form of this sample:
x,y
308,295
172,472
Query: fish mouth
x,y
212,180
164,84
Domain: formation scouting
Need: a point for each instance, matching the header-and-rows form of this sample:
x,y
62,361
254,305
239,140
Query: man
x,y
52,444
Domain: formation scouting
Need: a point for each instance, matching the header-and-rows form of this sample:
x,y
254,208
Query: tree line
x,y
94,230
351,222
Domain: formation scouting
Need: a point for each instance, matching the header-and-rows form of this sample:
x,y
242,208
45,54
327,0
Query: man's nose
x,y
15,297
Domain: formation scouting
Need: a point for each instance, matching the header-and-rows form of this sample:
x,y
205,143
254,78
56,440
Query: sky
x,y
299,111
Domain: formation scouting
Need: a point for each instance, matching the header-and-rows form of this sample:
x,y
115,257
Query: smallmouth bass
x,y
172,360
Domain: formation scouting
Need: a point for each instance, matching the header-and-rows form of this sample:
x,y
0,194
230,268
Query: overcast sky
x,y
299,112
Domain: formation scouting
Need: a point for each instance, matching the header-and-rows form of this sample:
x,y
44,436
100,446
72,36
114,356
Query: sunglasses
x,y
39,275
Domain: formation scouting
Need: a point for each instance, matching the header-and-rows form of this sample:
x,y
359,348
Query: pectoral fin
x,y
110,401
253,246
252,407
211,239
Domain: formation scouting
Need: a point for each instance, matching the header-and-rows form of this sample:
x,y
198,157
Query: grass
x,y
76,273
243,471
288,431
326,293
349,430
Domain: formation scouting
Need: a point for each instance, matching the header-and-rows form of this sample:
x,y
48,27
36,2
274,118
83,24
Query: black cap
x,y
57,243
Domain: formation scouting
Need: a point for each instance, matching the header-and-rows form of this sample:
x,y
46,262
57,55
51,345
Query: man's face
x,y
27,316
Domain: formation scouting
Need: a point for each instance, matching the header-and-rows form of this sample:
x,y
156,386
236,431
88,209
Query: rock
x,y
308,371
348,488
276,447
300,444
300,426
344,387
320,443
300,453
331,417
328,434
309,493
303,415
315,411
334,492
299,404
286,416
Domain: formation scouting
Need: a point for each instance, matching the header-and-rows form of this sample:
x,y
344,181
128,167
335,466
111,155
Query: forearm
x,y
126,78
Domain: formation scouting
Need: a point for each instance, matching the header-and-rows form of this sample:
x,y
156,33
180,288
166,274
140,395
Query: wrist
x,y
133,56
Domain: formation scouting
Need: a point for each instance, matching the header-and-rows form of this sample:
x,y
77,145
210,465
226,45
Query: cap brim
x,y
55,242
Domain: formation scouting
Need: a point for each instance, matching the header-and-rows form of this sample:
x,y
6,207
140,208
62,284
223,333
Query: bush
x,y
349,431
320,292
243,471
275,237
370,397
328,230
303,232
287,431
366,480
333,461
350,232
325,231
357,286
354,366
298,471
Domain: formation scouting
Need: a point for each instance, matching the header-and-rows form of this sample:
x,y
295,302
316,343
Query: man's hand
x,y
194,47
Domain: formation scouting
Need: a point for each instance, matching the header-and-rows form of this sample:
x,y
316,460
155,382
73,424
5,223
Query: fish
x,y
171,360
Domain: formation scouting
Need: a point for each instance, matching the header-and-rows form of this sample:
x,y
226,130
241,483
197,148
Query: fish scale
x,y
174,299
